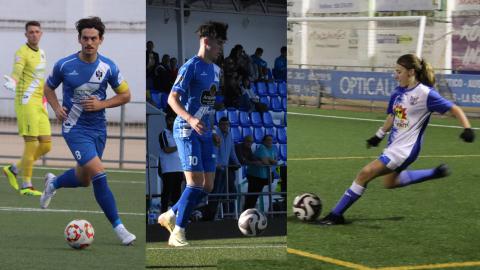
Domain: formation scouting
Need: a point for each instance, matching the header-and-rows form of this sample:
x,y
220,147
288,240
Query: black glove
x,y
468,135
373,141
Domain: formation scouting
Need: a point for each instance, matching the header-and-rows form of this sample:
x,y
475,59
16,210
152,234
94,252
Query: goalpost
x,y
353,41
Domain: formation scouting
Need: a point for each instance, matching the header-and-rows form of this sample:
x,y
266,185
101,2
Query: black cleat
x,y
332,219
442,170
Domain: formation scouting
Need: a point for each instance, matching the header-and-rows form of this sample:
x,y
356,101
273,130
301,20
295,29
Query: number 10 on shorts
x,y
193,160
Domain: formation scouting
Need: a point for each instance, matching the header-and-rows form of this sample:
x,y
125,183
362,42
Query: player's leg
x,y
368,173
30,146
44,135
409,177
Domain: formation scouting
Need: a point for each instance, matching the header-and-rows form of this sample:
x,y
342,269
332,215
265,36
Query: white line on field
x,y
109,181
219,247
26,209
363,119
107,170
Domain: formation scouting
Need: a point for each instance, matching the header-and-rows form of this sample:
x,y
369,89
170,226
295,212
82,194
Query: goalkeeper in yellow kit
x,y
26,81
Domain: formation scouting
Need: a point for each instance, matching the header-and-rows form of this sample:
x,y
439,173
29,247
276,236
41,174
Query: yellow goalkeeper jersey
x,y
29,72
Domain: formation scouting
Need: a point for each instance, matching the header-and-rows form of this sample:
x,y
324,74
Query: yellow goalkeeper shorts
x,y
32,120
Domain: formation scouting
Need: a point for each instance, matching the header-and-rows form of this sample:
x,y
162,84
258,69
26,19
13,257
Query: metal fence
x,y
125,147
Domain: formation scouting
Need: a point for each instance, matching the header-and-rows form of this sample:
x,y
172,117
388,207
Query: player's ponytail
x,y
423,70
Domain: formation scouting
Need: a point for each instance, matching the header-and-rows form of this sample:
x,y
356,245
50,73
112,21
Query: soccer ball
x,y
79,233
307,206
252,222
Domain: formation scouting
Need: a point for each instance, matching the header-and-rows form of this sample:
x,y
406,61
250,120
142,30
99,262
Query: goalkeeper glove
x,y
10,84
376,139
468,135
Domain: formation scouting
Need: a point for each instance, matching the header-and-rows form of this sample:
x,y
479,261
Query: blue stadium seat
x,y
272,89
282,89
284,104
283,152
254,88
236,134
262,89
267,119
246,131
256,119
273,132
265,100
282,135
278,119
220,114
233,117
258,134
244,119
276,104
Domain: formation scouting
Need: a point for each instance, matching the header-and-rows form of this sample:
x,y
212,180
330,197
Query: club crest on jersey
x,y
208,97
99,74
413,100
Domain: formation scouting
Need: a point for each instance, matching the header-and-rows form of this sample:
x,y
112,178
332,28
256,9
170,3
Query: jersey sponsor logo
x,y
208,97
400,113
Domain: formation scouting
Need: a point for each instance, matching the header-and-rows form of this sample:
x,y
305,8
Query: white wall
x,y
124,40
268,32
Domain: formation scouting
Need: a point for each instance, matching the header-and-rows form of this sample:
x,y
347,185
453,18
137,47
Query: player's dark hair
x,y
211,29
423,70
32,23
90,22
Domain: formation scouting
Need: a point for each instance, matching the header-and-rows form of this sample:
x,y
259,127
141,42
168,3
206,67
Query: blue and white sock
x,y
350,196
105,199
187,203
67,180
406,178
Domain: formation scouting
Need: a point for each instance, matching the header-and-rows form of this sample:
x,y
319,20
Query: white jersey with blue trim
x,y
80,81
197,82
411,109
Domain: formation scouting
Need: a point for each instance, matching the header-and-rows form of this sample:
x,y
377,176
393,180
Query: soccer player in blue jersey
x,y
408,114
85,76
192,98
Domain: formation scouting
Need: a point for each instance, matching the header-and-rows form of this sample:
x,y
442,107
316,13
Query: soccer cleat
x,y
442,170
30,191
11,176
125,236
332,219
177,239
49,190
167,220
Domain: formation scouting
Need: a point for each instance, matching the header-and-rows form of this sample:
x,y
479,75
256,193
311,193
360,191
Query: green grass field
x,y
32,238
426,224
220,253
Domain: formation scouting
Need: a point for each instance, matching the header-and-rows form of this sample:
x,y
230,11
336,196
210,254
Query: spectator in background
x,y
261,65
227,164
249,101
280,68
231,78
259,176
169,166
162,81
173,69
244,152
152,62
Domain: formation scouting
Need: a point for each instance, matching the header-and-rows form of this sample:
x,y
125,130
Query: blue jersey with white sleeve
x,y
197,83
80,81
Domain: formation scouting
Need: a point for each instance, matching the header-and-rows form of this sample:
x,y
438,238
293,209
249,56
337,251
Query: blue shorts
x,y
85,145
196,153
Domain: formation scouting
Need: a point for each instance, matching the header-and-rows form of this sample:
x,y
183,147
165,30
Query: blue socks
x,y
105,199
67,180
187,203
204,194
406,178
349,197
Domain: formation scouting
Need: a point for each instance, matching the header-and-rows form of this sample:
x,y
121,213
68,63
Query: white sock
x,y
170,212
357,189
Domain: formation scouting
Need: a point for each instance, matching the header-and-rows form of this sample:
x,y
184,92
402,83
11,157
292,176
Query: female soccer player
x,y
192,98
408,114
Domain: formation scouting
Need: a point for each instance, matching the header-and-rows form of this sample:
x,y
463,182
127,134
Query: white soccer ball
x,y
79,233
307,206
252,222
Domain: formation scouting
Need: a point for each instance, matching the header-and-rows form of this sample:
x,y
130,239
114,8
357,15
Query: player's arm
x,y
92,103
467,135
381,132
18,66
60,112
179,109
